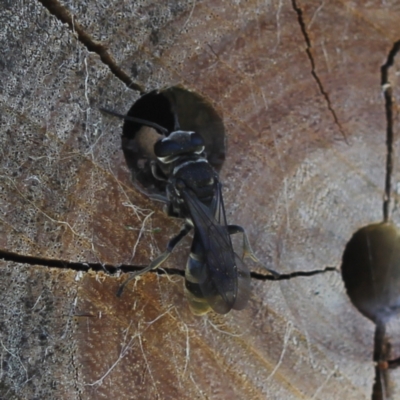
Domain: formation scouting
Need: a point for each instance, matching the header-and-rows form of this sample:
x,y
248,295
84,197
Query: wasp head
x,y
178,145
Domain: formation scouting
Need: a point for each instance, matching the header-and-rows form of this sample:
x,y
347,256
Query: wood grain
x,y
298,85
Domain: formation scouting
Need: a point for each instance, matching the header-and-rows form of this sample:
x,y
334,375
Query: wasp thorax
x,y
197,175
179,185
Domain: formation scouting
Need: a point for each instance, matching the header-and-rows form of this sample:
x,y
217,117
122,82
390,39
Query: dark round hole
x,y
170,108
371,271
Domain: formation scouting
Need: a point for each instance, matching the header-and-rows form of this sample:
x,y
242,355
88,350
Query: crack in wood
x,y
62,14
63,264
381,346
381,352
112,269
283,277
388,95
314,74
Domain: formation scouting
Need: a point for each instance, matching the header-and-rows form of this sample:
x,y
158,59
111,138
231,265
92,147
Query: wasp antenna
x,y
157,127
158,261
121,288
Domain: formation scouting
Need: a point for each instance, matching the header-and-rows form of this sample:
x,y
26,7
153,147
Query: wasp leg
x,y
247,250
152,196
160,259
155,172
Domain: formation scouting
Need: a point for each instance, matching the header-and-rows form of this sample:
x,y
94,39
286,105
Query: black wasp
x,y
174,144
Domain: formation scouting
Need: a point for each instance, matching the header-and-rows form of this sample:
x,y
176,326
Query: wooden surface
x,y
298,85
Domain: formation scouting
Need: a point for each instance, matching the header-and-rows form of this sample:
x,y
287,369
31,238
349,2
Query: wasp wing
x,y
225,279
243,273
